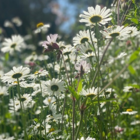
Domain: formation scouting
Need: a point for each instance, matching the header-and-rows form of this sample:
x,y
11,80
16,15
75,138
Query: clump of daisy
x,y
17,73
41,27
13,44
96,16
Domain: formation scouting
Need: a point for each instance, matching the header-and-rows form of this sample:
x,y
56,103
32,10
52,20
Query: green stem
x,y
78,130
96,72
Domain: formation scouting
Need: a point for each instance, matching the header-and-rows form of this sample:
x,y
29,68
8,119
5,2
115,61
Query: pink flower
x,y
50,44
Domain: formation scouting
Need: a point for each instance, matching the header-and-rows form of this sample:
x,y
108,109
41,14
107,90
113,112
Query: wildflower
x,y
10,45
133,31
68,50
3,91
49,100
54,86
89,92
41,27
50,44
5,136
38,128
38,73
83,65
127,88
118,129
88,138
135,122
97,15
116,32
17,73
129,111
17,21
9,24
84,36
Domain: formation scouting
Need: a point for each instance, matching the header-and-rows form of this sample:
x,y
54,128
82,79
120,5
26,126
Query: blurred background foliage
x,y
61,14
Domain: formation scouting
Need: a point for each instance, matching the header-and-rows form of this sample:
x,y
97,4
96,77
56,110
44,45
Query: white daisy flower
x,y
54,86
17,21
17,73
3,91
13,44
42,57
8,23
61,67
38,128
31,58
61,45
84,36
49,100
1,73
90,92
26,98
14,105
84,65
97,15
135,122
133,31
5,136
68,50
127,88
38,73
88,138
129,112
41,27
122,54
87,53
116,32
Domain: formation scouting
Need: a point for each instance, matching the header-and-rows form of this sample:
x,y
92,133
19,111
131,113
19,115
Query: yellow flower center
x,y
15,82
129,110
109,26
36,72
51,130
39,24
49,100
1,93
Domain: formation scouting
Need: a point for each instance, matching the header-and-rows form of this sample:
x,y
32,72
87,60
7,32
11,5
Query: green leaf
x,y
133,1
7,115
6,56
74,93
131,69
135,20
79,86
36,120
134,56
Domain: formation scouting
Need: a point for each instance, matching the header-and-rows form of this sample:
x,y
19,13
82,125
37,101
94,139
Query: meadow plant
x,y
86,90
